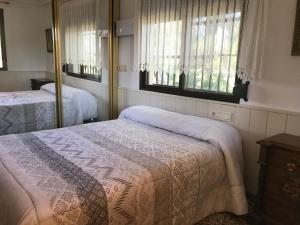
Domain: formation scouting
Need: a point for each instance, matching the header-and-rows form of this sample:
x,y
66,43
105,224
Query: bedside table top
x,y
282,140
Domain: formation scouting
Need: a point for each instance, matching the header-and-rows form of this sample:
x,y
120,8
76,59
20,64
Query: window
x,y
81,40
190,47
3,59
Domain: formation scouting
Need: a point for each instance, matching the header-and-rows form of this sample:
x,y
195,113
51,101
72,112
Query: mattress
x,y
116,172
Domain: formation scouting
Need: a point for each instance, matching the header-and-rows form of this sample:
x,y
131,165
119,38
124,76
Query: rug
x,y
228,218
224,219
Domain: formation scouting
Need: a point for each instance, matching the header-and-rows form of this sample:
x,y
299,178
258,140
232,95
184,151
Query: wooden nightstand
x,y
278,201
37,83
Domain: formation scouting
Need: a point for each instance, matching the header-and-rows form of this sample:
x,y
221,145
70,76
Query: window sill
x,y
85,77
239,91
193,94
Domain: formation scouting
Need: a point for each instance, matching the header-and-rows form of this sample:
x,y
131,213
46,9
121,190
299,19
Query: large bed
x,y
26,111
148,167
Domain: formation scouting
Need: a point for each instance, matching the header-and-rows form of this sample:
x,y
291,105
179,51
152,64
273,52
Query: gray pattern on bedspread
x,y
116,172
27,111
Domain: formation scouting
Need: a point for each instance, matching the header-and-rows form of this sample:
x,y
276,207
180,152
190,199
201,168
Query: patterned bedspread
x,y
27,111
116,172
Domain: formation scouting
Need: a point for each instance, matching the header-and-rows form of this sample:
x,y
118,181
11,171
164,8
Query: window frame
x,y
80,75
3,41
240,90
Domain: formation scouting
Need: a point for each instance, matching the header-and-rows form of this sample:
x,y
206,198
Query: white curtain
x,y
200,38
253,40
197,37
80,36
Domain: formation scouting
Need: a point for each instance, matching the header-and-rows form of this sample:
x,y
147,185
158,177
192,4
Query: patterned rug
x,y
227,218
224,219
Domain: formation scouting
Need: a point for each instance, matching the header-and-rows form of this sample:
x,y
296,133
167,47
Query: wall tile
x,y
241,119
202,109
293,125
169,103
276,123
142,98
190,107
180,104
258,122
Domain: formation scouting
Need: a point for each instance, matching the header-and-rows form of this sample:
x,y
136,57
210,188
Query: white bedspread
x,y
26,111
111,173
215,132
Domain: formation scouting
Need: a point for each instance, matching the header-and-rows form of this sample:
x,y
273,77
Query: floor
x,y
227,218
224,219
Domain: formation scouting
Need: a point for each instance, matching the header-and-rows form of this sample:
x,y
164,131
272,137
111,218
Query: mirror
x,y
85,60
26,66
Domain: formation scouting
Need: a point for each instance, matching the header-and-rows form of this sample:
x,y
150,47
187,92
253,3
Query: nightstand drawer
x,y
280,157
281,213
283,195
282,175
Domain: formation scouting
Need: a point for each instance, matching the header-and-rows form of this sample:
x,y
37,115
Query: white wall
x,y
27,55
280,83
274,101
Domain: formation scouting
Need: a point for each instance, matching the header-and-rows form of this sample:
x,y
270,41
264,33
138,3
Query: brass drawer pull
x,y
291,167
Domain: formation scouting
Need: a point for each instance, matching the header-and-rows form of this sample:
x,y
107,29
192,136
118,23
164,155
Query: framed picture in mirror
x,y
296,42
49,40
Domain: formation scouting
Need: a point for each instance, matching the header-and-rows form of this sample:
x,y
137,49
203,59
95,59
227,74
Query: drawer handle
x,y
291,167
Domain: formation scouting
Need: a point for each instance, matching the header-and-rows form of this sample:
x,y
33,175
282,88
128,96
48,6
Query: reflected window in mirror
x,y
82,39
3,58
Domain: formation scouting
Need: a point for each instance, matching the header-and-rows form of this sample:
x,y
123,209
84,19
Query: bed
x,y
148,167
27,111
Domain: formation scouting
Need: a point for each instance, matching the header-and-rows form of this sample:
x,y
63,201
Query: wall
x,y
280,83
274,101
27,57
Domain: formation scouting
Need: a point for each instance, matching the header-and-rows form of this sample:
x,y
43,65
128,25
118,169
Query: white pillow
x,y
86,102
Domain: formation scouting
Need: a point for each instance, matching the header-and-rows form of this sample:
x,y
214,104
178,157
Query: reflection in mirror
x,y
84,42
26,66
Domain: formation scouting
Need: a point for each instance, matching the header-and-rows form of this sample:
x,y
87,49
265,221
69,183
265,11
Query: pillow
x,y
85,101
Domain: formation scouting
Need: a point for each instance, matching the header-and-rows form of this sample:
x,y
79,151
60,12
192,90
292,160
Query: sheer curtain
x,y
200,38
253,40
80,37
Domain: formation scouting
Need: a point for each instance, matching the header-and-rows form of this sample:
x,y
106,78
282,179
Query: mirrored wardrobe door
x,y
85,61
27,96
